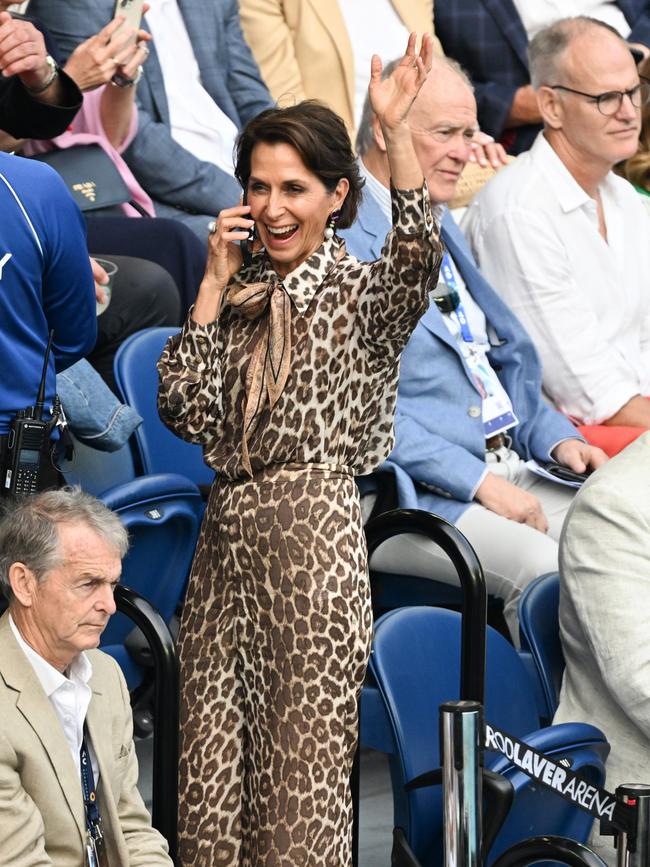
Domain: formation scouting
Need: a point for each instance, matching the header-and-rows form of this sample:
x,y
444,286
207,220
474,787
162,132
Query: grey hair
x,y
365,136
549,44
29,530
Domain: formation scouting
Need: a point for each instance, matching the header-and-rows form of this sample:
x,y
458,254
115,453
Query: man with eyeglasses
x,y
565,241
469,409
490,39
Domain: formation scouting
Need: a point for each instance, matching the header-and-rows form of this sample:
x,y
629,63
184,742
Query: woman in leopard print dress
x,y
286,372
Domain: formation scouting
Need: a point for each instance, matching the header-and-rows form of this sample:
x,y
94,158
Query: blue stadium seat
x,y
158,450
95,471
163,516
539,633
415,664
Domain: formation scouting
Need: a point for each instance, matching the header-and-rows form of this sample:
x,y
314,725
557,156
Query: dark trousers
x,y
143,295
169,243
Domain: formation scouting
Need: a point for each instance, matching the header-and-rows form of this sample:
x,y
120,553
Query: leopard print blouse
x,y
350,322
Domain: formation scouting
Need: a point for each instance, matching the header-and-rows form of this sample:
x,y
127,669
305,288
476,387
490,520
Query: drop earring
x,y
331,225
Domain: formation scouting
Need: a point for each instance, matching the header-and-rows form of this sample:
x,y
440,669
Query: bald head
x,y
571,47
447,88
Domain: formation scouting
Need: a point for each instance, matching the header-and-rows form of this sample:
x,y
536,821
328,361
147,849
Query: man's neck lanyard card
x,y
96,855
498,412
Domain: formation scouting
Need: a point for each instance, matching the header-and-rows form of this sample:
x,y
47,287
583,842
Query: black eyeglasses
x,y
610,103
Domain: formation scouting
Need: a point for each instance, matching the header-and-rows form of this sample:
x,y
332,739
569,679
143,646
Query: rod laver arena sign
x,y
598,802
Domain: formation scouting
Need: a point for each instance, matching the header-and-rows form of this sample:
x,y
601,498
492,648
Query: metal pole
x,y
460,726
470,575
635,853
164,808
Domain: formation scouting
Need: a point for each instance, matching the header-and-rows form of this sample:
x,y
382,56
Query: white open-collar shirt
x,y
584,300
69,696
197,123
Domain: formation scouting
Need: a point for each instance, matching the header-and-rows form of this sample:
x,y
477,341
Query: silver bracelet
x,y
54,71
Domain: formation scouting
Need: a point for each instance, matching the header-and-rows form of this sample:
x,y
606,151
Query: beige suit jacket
x,y
41,807
605,612
303,48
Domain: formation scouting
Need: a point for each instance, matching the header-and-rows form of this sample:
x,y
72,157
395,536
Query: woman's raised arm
x,y
391,100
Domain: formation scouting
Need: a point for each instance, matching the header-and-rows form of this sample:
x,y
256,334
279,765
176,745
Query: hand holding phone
x,y
247,244
131,10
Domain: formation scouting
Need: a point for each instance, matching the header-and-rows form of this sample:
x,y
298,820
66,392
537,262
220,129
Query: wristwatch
x,y
122,81
54,71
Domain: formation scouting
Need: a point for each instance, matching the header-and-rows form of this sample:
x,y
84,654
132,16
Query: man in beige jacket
x,y
604,615
64,707
320,49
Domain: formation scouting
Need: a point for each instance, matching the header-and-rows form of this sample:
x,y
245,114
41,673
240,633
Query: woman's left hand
x,y
392,98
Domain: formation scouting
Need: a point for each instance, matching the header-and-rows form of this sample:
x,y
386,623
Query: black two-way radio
x,y
27,449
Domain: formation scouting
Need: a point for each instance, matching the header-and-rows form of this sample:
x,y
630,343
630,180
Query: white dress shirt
x,y
197,123
536,14
374,27
69,696
584,301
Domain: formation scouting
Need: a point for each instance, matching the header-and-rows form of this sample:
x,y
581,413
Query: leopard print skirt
x,y
274,645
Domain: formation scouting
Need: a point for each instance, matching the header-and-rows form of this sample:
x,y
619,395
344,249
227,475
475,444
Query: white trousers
x,y
511,554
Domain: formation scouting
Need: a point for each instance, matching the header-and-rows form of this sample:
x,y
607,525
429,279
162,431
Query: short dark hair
x,y
318,135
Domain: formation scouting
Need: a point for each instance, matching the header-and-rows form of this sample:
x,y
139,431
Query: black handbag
x,y
91,177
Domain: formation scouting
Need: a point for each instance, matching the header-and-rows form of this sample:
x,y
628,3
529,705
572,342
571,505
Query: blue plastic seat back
x,y
416,664
539,630
95,471
137,378
163,516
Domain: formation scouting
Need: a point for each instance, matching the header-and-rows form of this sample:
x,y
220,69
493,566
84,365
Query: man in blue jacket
x,y
45,283
199,87
470,411
490,39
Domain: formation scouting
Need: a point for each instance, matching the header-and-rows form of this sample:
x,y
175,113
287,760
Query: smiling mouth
x,y
281,233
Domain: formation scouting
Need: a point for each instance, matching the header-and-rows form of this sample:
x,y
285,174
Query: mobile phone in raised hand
x,y
247,244
131,10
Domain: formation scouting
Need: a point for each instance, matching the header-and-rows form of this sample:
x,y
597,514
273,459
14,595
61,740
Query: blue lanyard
x,y
95,851
450,279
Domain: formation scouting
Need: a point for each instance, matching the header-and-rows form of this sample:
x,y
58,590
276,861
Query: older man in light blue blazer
x,y
470,411
182,185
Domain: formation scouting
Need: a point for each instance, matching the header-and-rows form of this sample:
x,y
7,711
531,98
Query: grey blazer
x,y
167,171
41,806
605,611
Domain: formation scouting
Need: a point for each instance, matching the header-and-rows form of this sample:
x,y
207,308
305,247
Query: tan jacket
x,y
304,52
41,807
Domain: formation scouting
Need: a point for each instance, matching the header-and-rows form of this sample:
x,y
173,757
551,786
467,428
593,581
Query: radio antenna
x,y
40,400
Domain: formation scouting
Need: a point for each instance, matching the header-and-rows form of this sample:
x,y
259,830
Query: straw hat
x,y
471,181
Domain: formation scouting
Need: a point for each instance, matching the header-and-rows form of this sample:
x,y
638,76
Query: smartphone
x,y
568,475
246,245
131,10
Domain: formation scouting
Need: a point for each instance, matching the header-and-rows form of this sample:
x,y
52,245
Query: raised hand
x,y
392,98
116,48
224,260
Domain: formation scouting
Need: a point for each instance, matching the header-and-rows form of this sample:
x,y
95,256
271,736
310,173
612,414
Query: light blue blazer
x,y
440,440
229,73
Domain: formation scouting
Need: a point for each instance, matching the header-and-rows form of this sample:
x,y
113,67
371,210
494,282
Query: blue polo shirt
x,y
45,282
